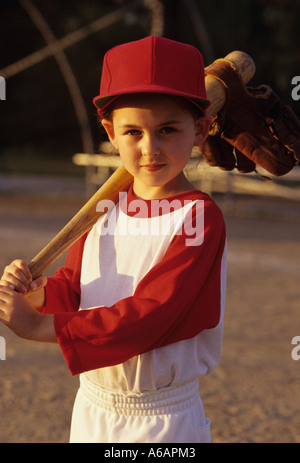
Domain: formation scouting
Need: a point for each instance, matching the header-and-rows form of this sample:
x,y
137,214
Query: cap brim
x,y
103,101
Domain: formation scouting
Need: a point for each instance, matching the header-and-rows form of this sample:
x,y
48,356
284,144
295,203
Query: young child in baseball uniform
x,y
138,308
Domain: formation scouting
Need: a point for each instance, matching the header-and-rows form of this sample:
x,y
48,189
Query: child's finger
x,y
6,283
38,283
16,279
22,265
15,284
18,275
5,290
18,266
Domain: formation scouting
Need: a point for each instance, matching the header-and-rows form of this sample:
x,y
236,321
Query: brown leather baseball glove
x,y
252,129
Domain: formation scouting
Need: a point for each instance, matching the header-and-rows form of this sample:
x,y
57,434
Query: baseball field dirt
x,y
253,396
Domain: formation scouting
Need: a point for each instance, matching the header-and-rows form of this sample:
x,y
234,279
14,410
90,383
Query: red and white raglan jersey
x,y
139,304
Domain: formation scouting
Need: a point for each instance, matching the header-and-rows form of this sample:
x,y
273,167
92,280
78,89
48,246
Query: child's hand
x,y
17,276
23,319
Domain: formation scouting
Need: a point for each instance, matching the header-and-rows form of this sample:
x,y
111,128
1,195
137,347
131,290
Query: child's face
x,y
155,137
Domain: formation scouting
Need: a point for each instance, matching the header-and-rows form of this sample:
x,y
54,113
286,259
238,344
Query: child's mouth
x,y
153,167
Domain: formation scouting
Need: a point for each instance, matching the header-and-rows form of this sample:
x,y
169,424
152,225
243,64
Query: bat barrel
x,y
216,92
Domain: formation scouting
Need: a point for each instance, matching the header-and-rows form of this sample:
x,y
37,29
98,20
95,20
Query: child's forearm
x,y
46,331
22,318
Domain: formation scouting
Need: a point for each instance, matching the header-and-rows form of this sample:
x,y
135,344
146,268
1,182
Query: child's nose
x,y
150,146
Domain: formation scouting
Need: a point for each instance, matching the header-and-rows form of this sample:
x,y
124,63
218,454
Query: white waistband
x,y
167,400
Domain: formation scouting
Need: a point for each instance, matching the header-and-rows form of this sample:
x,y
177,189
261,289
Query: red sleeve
x,y
176,300
62,292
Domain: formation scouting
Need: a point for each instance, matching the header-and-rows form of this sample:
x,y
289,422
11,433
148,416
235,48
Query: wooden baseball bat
x,y
120,180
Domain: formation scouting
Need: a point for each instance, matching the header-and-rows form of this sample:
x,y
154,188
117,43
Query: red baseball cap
x,y
153,65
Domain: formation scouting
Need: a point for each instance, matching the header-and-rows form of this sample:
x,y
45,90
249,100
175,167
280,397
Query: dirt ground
x,y
253,396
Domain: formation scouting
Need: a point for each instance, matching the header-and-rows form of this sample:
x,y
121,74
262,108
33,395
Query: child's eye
x,y
133,132
167,130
